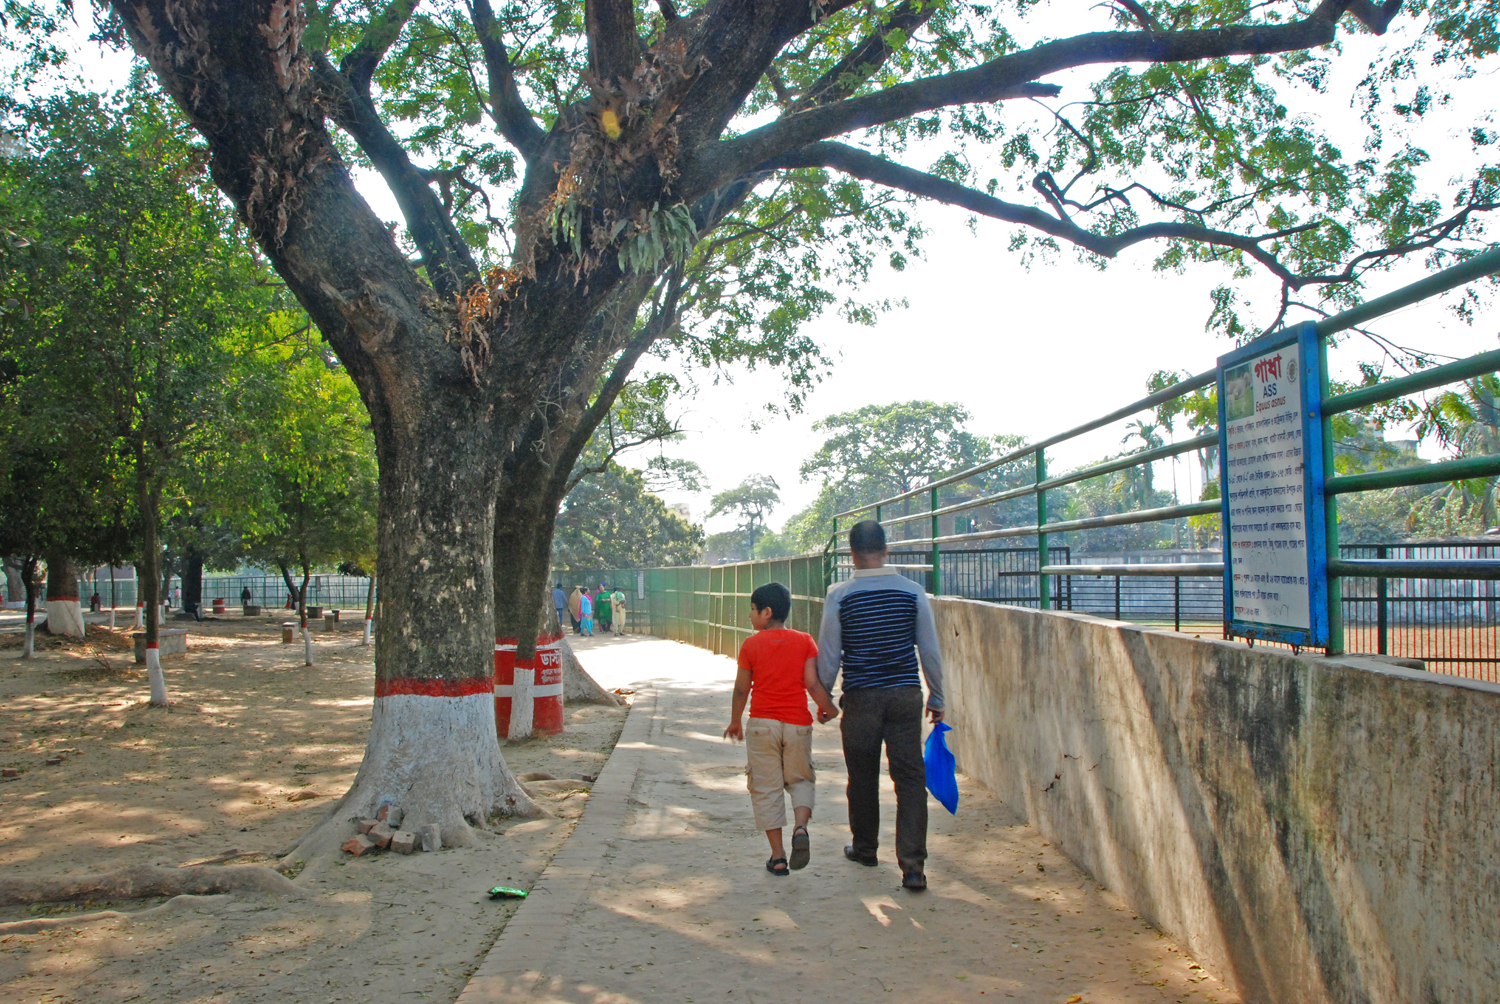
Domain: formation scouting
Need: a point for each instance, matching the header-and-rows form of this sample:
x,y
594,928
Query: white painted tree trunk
x,y
307,648
156,677
437,758
65,617
368,624
140,615
111,618
29,648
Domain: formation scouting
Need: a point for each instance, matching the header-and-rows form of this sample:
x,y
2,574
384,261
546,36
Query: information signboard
x,y
1271,483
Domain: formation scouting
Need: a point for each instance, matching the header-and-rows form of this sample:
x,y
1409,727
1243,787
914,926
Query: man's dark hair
x,y
773,595
867,537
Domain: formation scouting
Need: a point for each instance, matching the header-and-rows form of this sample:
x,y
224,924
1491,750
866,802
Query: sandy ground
x,y
675,904
250,730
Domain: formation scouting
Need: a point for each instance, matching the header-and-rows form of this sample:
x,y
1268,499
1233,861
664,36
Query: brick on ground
x,y
404,842
360,844
381,833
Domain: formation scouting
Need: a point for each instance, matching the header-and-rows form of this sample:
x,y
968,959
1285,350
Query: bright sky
x,y
1027,352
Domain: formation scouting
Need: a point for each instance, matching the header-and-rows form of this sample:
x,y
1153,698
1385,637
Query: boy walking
x,y
778,670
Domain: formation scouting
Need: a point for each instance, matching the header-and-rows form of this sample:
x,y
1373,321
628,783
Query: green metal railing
x,y
1455,470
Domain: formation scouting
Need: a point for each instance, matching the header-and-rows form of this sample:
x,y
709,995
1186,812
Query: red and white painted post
x,y
528,692
140,613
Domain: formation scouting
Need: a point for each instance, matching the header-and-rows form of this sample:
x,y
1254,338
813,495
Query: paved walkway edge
x,y
535,933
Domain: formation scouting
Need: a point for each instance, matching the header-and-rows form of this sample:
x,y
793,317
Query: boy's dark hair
x,y
867,537
773,595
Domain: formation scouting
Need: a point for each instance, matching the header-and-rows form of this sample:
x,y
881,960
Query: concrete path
x,y
661,892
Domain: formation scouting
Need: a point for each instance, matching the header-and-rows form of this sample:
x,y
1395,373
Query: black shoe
x,y
868,862
914,879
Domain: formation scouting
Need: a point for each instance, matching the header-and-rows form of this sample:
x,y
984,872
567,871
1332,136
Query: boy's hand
x,y
827,713
736,730
936,714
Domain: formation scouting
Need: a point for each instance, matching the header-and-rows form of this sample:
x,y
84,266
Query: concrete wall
x,y
1314,829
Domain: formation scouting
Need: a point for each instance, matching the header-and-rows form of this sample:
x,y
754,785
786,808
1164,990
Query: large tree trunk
x,y
15,586
64,613
192,582
433,749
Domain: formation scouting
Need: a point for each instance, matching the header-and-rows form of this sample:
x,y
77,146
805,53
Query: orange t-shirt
x,y
776,660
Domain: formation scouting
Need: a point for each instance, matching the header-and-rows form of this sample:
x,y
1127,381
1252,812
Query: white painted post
x,y
154,674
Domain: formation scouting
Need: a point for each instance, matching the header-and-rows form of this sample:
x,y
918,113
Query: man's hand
x,y
935,715
827,713
736,730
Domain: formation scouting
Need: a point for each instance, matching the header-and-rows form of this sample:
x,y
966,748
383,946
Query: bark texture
x,y
64,613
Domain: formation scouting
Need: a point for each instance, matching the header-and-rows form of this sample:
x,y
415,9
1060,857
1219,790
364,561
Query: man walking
x,y
560,603
873,627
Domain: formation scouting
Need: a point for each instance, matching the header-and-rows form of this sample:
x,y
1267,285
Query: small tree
x,y
315,450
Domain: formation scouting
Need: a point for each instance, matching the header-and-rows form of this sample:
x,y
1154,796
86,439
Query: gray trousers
x,y
893,716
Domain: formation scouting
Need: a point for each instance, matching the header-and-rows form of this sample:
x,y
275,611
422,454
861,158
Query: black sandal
x,y
777,866
801,848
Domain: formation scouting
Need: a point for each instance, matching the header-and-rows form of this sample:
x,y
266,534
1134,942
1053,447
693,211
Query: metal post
x,y
1382,594
1176,603
1330,520
937,571
1117,597
1043,586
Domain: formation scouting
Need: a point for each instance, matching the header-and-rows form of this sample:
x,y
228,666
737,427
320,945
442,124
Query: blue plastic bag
x,y
941,768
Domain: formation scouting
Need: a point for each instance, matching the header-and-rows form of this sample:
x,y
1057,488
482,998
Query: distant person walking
x,y
618,610
575,609
586,613
560,604
874,626
604,608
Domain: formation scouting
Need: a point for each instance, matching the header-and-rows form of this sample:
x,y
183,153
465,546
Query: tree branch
x,y
669,12
381,33
614,45
865,58
868,167
507,108
1003,78
450,267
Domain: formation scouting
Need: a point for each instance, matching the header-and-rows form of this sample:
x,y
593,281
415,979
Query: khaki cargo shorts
x,y
780,758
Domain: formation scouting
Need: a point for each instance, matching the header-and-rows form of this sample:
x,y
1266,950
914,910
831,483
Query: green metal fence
x,y
708,606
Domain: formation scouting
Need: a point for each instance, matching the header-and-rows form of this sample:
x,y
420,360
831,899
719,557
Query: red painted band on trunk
x,y
152,644
435,688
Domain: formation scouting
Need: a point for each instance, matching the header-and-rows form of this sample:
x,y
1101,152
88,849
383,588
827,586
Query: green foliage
x,y
751,501
612,521
156,366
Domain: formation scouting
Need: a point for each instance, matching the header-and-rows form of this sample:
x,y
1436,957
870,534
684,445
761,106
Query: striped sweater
x,y
873,627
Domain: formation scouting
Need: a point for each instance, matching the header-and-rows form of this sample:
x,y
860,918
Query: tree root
x,y
177,904
578,686
141,881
